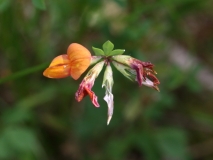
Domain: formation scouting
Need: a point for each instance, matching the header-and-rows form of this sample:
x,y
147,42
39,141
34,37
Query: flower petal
x,y
147,82
143,71
60,71
59,67
108,83
84,91
87,83
110,103
80,59
139,71
77,51
60,60
93,97
78,67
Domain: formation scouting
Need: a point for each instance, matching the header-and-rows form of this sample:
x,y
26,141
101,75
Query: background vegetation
x,y
39,117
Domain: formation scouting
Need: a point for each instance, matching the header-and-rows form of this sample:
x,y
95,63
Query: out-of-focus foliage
x,y
39,117
40,4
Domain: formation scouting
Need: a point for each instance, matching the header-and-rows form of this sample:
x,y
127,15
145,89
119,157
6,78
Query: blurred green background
x,y
40,118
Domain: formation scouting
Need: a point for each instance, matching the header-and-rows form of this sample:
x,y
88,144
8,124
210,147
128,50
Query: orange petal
x,y
77,51
80,58
60,60
60,71
78,67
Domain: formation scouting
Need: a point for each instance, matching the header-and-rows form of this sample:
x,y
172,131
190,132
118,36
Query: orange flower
x,y
73,64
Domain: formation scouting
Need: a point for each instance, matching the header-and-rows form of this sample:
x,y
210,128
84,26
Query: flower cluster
x,y
78,59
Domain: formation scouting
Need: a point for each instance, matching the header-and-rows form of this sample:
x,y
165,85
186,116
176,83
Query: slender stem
x,y
22,73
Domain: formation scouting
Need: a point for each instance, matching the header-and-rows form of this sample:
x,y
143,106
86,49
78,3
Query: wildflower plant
x,y
78,59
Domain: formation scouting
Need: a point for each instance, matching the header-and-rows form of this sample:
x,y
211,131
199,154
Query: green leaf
x,y
98,52
117,52
40,4
108,47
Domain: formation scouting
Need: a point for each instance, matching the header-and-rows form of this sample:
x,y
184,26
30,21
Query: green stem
x,y
22,73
